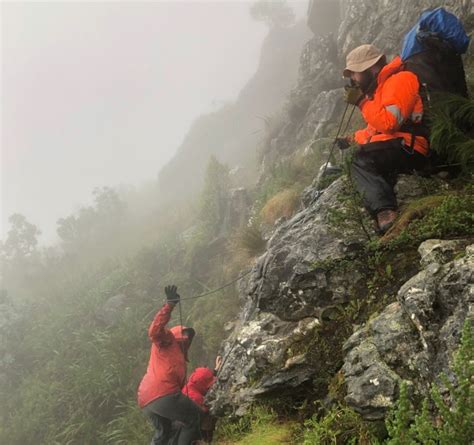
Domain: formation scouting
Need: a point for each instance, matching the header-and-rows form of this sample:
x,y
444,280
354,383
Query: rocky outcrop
x,y
292,279
414,338
287,295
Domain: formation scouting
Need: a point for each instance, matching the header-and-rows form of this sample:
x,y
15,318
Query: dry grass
x,y
415,210
284,203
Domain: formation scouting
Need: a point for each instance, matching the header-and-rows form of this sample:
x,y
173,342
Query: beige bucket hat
x,y
361,58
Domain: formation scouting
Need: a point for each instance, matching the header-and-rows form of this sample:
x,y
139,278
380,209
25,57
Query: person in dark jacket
x,y
394,140
159,393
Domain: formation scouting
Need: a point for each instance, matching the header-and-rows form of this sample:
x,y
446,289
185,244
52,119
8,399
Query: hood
x,y
201,380
392,67
179,332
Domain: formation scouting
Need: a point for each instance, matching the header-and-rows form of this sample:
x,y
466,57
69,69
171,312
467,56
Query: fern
x,y
451,121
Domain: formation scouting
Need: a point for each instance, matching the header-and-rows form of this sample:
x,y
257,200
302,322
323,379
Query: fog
x,y
97,94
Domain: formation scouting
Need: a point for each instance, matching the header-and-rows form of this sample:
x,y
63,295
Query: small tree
x,y
214,198
22,239
274,13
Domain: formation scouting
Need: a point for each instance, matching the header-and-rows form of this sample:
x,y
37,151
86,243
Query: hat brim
x,y
360,67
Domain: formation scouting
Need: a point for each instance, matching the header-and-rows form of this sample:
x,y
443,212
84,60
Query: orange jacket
x,y
167,365
396,101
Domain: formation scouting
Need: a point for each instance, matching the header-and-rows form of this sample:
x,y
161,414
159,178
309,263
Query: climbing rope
x,y
214,291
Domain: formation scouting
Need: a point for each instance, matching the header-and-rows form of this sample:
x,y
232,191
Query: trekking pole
x,y
335,142
346,128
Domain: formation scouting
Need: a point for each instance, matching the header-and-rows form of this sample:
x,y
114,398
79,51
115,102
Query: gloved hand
x,y
353,95
172,296
343,143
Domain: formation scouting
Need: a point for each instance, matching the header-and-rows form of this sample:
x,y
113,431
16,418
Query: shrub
x,y
451,119
250,240
452,419
437,216
283,204
340,426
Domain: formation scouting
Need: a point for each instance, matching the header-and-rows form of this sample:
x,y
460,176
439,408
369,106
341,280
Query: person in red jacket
x,y
159,393
395,139
198,385
200,382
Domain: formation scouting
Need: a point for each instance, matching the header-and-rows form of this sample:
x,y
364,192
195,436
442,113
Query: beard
x,y
367,83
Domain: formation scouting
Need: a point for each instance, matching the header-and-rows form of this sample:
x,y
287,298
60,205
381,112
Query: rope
x,y
198,423
230,283
182,349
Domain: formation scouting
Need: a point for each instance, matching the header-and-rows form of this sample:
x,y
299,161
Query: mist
x,y
101,94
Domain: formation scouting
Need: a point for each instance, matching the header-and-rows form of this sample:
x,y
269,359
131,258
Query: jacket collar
x,y
391,68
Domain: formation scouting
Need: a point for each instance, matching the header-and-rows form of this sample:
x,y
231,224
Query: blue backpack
x,y
440,24
432,50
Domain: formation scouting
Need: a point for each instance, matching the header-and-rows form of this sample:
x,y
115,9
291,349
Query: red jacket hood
x,y
177,331
201,380
183,340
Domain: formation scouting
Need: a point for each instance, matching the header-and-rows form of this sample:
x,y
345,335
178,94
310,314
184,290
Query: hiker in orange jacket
x,y
159,393
395,140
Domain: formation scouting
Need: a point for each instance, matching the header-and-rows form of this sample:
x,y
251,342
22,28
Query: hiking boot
x,y
385,219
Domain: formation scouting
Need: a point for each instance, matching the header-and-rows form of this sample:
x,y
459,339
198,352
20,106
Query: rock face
x,y
291,279
287,293
384,23
413,338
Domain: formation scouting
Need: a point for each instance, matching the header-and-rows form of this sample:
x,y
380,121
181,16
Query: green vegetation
x,y
66,364
452,136
446,419
249,239
340,426
435,216
258,417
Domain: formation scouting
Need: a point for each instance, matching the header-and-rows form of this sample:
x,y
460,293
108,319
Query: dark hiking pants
x,y
375,168
174,407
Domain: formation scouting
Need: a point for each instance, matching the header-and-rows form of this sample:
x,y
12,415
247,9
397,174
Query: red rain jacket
x,y
396,101
198,385
167,365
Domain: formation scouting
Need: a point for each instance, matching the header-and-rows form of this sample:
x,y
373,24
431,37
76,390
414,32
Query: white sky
x,y
102,93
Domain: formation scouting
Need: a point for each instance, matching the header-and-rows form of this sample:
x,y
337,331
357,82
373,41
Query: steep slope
x,y
232,133
313,298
